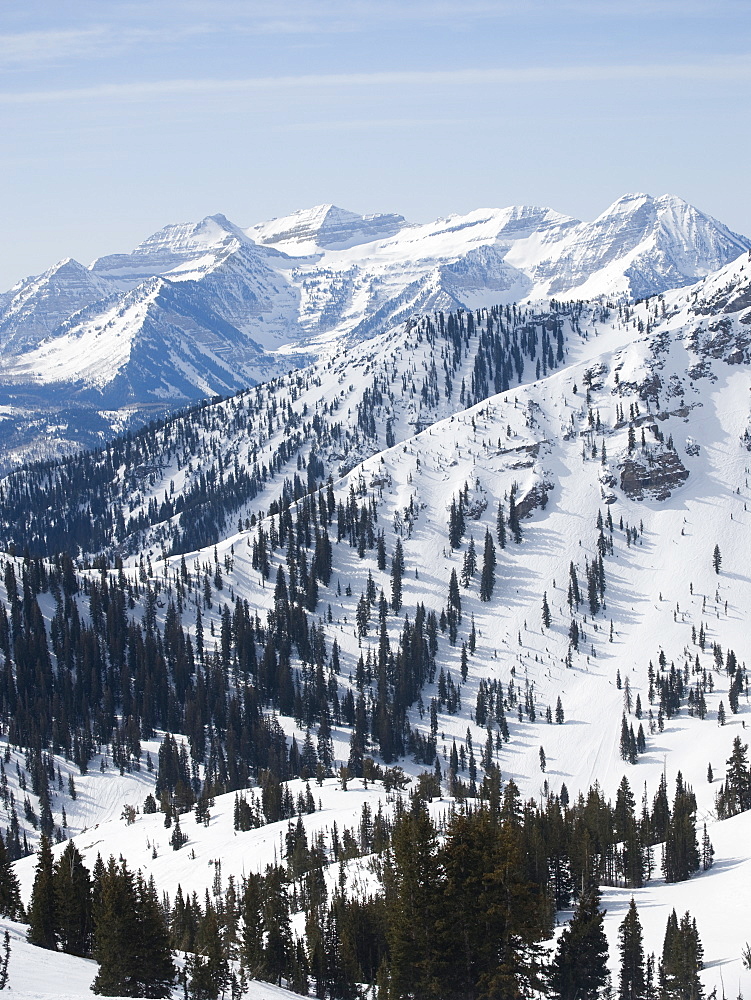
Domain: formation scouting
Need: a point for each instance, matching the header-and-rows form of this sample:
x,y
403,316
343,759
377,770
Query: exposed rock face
x,y
656,479
646,240
327,227
36,306
723,340
536,498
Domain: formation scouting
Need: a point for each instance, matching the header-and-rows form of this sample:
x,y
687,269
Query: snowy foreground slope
x,y
675,368
36,974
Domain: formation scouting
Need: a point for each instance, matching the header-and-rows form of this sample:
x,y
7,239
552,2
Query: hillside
x,y
229,566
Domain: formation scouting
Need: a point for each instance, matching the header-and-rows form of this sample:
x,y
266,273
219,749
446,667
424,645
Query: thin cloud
x,y
48,46
163,24
735,70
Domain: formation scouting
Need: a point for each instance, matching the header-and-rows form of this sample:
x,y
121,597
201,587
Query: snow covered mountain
x,y
614,437
306,284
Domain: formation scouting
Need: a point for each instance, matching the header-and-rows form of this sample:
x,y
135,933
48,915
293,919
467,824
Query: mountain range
x,y
500,543
205,309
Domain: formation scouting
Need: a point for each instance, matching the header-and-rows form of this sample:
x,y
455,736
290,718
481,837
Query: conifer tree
x,y
43,907
73,902
545,611
736,796
4,961
514,525
10,892
277,951
487,580
153,958
580,968
252,936
707,851
454,607
131,940
115,930
469,565
411,903
681,857
631,980
501,526
456,523
397,572
681,961
490,951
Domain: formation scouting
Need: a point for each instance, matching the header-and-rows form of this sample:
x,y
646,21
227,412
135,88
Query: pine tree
x,y
707,851
514,525
559,717
252,920
131,940
397,572
43,907
479,948
454,604
153,958
278,944
501,526
681,962
580,968
410,896
4,961
681,857
10,892
545,611
470,564
115,930
487,580
631,983
737,780
716,559
73,902
625,741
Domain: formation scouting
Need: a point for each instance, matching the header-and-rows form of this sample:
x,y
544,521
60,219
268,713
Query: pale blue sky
x,y
119,117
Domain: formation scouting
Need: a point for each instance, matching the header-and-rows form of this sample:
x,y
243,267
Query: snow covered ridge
x,y
326,271
205,309
614,440
182,484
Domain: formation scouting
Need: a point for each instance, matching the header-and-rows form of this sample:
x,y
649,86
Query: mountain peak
x,y
628,204
324,227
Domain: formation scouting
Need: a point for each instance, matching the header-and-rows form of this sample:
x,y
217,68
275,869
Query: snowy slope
x,y
33,308
37,974
677,368
640,245
311,282
659,587
328,271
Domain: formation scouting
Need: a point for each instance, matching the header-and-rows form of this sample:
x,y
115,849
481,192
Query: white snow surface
x,y
37,974
324,276
659,588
